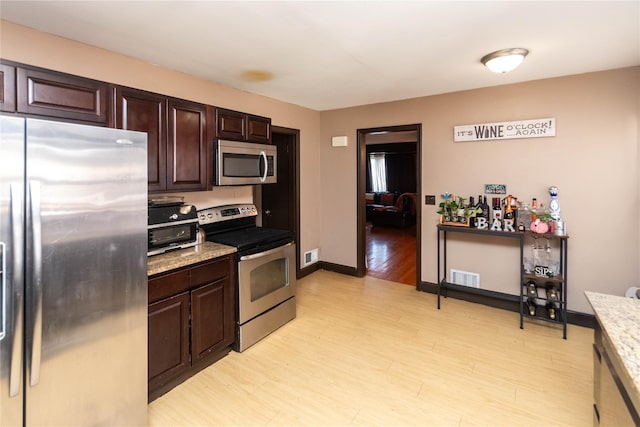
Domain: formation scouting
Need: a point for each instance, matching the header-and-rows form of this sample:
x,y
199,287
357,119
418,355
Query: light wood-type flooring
x,y
391,253
369,352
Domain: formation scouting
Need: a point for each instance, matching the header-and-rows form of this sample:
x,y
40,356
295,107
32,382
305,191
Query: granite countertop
x,y
620,321
157,264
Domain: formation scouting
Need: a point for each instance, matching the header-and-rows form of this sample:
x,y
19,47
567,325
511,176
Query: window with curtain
x,y
378,172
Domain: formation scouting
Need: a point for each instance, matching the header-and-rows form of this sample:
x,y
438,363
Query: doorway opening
x,y
389,191
279,203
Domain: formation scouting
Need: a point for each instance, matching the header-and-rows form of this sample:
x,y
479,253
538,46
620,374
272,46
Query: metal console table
x,y
561,280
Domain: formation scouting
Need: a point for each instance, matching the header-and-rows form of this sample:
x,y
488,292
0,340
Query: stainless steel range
x,y
266,269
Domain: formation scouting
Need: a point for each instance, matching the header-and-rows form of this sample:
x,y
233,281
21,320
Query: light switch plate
x,y
430,199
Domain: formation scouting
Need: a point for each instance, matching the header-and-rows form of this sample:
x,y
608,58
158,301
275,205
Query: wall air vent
x,y
464,278
310,257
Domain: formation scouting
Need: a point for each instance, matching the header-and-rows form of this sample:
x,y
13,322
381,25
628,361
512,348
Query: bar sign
x,y
536,128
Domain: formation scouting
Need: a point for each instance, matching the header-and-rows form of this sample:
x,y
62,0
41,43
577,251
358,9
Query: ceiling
x,y
332,54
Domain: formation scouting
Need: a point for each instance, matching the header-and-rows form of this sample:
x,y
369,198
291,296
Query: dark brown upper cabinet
x,y
176,137
62,96
187,146
239,126
146,112
7,88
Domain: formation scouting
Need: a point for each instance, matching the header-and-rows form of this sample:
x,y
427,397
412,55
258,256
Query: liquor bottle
x,y
554,204
534,209
509,212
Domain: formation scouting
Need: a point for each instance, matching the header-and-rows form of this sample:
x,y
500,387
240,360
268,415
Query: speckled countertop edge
x,y
620,320
157,264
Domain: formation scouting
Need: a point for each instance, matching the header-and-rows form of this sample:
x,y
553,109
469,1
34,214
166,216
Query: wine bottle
x,y
485,209
531,306
551,311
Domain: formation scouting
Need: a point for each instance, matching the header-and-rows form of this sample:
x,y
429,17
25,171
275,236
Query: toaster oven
x,y
172,227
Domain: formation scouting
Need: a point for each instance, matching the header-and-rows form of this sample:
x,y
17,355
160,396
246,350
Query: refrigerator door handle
x,y
36,285
16,283
3,278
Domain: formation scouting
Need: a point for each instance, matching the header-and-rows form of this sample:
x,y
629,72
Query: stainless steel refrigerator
x,y
73,221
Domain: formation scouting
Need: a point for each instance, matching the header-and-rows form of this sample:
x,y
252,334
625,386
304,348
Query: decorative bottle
x,y
554,204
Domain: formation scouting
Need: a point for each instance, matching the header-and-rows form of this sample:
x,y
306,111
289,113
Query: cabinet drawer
x,y
210,272
168,285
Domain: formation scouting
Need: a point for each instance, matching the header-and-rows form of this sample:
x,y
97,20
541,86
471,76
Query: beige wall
x,y
27,46
593,160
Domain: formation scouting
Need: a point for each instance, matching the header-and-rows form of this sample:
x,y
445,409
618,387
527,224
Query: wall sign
x,y
537,128
495,189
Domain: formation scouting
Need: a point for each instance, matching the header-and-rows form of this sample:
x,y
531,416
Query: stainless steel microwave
x,y
244,163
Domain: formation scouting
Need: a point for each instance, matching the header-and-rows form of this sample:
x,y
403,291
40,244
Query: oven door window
x,y
268,278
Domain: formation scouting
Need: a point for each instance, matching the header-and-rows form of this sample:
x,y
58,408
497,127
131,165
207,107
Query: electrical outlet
x,y
430,199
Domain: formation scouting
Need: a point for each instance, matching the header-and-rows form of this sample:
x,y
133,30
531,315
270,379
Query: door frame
x,y
294,134
361,269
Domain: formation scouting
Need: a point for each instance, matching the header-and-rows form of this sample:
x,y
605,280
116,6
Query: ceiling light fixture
x,y
505,60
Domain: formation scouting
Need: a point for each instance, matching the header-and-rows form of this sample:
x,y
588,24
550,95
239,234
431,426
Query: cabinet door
x,y
7,88
146,112
187,146
52,94
212,321
231,125
259,129
168,339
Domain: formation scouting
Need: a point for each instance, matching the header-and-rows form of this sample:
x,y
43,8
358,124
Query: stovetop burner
x,y
235,225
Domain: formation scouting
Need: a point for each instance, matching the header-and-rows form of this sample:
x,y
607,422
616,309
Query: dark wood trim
x,y
361,188
308,270
295,134
502,301
338,268
329,266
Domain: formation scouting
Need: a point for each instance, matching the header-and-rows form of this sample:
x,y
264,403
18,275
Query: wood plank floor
x,y
391,254
369,352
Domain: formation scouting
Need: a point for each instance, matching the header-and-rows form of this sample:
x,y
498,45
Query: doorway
x,y
279,202
392,253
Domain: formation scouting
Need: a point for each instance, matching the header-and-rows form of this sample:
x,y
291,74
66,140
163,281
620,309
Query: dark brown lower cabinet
x,y
168,339
191,321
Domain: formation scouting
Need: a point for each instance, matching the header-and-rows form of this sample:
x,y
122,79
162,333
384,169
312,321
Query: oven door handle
x,y
265,253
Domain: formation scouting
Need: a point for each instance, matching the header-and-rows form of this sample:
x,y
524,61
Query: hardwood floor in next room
x,y
369,352
391,253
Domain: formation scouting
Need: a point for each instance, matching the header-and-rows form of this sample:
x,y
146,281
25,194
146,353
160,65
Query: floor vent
x,y
464,278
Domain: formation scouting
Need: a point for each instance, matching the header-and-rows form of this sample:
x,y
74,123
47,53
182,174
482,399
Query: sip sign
x,y
537,128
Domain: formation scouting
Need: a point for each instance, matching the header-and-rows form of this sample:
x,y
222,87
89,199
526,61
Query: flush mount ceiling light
x,y
505,60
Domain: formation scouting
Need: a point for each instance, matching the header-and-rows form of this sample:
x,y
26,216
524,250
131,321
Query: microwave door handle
x,y
264,175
